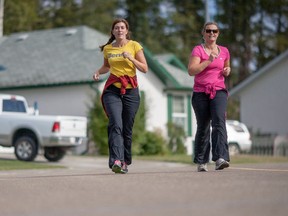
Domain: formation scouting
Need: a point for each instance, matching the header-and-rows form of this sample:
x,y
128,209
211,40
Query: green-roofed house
x,y
54,68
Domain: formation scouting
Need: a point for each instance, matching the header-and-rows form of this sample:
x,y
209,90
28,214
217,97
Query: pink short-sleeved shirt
x,y
212,75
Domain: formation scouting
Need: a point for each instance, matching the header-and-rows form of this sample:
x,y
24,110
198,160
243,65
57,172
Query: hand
x,y
127,55
96,76
213,56
226,71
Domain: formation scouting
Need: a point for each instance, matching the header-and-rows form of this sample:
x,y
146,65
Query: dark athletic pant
x,y
121,111
210,111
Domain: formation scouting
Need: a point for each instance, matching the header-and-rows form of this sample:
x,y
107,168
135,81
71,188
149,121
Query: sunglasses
x,y
211,31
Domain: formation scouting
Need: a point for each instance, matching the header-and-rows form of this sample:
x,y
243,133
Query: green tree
x,y
234,18
271,30
254,31
146,23
61,13
186,22
20,15
166,25
99,14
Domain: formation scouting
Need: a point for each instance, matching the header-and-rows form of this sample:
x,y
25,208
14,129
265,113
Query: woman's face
x,y
120,30
210,33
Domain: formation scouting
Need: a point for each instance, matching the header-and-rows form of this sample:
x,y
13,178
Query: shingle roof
x,y
180,75
68,55
50,57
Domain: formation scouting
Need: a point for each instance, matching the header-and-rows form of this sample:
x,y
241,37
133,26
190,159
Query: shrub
x,y
97,126
176,138
153,144
144,142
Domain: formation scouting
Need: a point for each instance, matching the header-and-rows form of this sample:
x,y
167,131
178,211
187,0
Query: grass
x,y
13,164
239,159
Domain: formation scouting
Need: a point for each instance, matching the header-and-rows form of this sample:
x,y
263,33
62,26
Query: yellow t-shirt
x,y
120,66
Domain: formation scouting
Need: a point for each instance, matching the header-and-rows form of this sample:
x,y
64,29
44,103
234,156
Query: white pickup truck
x,y
31,134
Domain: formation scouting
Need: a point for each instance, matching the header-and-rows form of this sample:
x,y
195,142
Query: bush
x,y
97,126
176,139
144,142
153,144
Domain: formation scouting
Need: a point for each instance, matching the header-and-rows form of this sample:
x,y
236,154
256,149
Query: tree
x,y
20,15
234,18
99,14
146,23
254,32
186,23
271,30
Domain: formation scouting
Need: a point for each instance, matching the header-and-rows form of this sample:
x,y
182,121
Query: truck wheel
x,y
54,154
25,149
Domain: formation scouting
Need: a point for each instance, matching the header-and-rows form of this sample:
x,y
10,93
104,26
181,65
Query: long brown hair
x,y
112,37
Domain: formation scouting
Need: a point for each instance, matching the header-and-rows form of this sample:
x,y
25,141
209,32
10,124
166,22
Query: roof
x,y
49,57
65,56
177,70
267,68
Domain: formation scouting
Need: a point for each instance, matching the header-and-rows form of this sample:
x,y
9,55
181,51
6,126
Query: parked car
x,y
239,138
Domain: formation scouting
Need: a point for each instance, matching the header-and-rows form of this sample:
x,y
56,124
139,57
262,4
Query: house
x,y
55,67
263,98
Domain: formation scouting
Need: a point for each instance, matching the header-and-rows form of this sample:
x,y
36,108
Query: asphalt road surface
x,y
87,187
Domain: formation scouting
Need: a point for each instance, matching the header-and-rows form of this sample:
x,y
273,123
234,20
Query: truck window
x,y
13,106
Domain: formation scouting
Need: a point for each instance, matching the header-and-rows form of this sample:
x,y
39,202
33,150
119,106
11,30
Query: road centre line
x,y
258,169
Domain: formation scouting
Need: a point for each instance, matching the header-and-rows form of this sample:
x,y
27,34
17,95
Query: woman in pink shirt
x,y
210,64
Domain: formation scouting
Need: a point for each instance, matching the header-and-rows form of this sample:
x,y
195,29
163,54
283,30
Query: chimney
x,y
1,17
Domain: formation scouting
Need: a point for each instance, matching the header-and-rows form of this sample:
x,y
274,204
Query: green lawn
x,y
10,164
241,159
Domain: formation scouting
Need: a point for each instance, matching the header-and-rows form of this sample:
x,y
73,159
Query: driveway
x,y
87,187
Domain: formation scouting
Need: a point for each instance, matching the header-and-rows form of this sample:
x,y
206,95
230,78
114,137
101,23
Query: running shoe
x,y
221,164
202,168
124,168
116,168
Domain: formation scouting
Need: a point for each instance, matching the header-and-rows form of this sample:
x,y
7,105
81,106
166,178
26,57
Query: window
x,y
237,128
179,111
13,106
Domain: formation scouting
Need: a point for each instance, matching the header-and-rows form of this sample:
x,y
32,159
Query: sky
x,y
211,8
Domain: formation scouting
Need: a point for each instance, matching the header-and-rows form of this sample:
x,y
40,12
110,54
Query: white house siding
x,y
264,103
156,101
64,100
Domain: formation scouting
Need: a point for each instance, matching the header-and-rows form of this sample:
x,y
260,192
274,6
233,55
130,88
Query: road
x,y
87,187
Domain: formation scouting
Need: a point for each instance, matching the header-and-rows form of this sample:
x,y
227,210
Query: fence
x,y
269,145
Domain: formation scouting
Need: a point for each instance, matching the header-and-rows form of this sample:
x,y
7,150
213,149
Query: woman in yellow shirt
x,y
120,97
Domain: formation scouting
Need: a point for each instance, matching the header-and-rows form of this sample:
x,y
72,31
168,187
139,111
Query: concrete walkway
x,y
87,187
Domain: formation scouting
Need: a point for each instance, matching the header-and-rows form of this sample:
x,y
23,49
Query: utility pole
x,y
207,16
1,17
